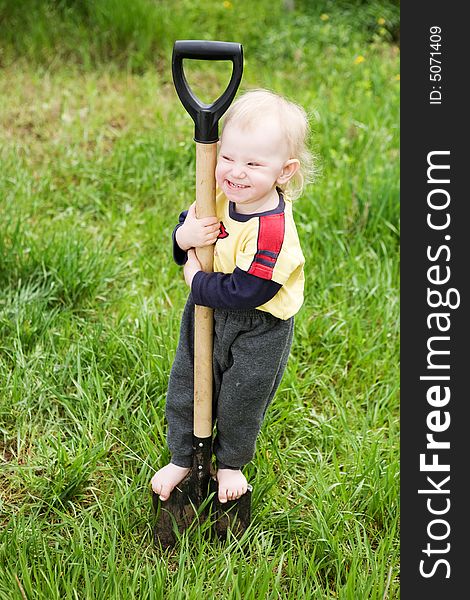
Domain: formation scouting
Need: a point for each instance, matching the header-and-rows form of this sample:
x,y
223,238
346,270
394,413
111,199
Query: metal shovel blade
x,y
188,501
175,514
233,515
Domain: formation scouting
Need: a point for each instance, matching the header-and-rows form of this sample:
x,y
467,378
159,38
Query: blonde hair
x,y
249,108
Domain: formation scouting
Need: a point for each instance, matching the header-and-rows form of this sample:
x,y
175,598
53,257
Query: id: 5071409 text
x,y
435,68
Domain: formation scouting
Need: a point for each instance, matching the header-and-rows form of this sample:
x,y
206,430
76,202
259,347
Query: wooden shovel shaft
x,y
206,157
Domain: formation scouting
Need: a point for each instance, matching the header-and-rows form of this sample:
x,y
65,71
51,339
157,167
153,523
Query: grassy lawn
x,y
97,161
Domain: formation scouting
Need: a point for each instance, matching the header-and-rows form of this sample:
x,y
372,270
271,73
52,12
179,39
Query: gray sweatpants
x,y
251,348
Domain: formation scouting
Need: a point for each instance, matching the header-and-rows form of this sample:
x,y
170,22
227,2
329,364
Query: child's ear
x,y
290,167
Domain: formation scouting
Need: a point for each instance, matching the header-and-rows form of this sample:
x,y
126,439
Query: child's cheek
x,y
219,175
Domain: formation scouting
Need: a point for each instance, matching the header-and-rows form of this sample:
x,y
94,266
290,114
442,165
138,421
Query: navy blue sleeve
x,y
235,291
179,256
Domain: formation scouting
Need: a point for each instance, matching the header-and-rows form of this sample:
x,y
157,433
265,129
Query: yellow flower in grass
x,y
324,17
381,21
228,4
397,77
359,59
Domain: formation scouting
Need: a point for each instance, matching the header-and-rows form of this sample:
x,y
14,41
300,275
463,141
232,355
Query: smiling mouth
x,y
236,186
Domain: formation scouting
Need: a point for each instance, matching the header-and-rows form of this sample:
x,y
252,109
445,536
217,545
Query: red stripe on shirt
x,y
270,239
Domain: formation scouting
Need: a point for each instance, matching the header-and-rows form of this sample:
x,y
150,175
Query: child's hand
x,y
195,233
191,267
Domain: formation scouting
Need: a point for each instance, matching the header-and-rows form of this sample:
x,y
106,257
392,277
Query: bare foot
x,y
166,479
232,484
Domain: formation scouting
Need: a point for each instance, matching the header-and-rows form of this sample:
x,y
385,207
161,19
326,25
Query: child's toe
x,y
165,492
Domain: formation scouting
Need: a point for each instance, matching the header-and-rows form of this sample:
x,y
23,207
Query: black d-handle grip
x,y
206,116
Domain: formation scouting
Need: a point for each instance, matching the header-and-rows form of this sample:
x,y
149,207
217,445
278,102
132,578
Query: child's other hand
x,y
191,267
195,233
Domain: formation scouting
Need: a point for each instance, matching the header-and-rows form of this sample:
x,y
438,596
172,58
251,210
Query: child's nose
x,y
238,170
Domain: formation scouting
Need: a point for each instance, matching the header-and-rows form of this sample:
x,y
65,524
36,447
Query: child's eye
x,y
253,164
226,157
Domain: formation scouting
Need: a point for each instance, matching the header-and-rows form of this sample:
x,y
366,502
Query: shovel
x,y
195,498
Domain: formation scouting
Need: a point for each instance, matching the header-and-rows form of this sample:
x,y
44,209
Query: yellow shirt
x,y
265,245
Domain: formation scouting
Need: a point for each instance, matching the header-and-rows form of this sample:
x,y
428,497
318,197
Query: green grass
x,y
97,161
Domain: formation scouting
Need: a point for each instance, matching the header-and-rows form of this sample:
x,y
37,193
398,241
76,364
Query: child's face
x,y
251,163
